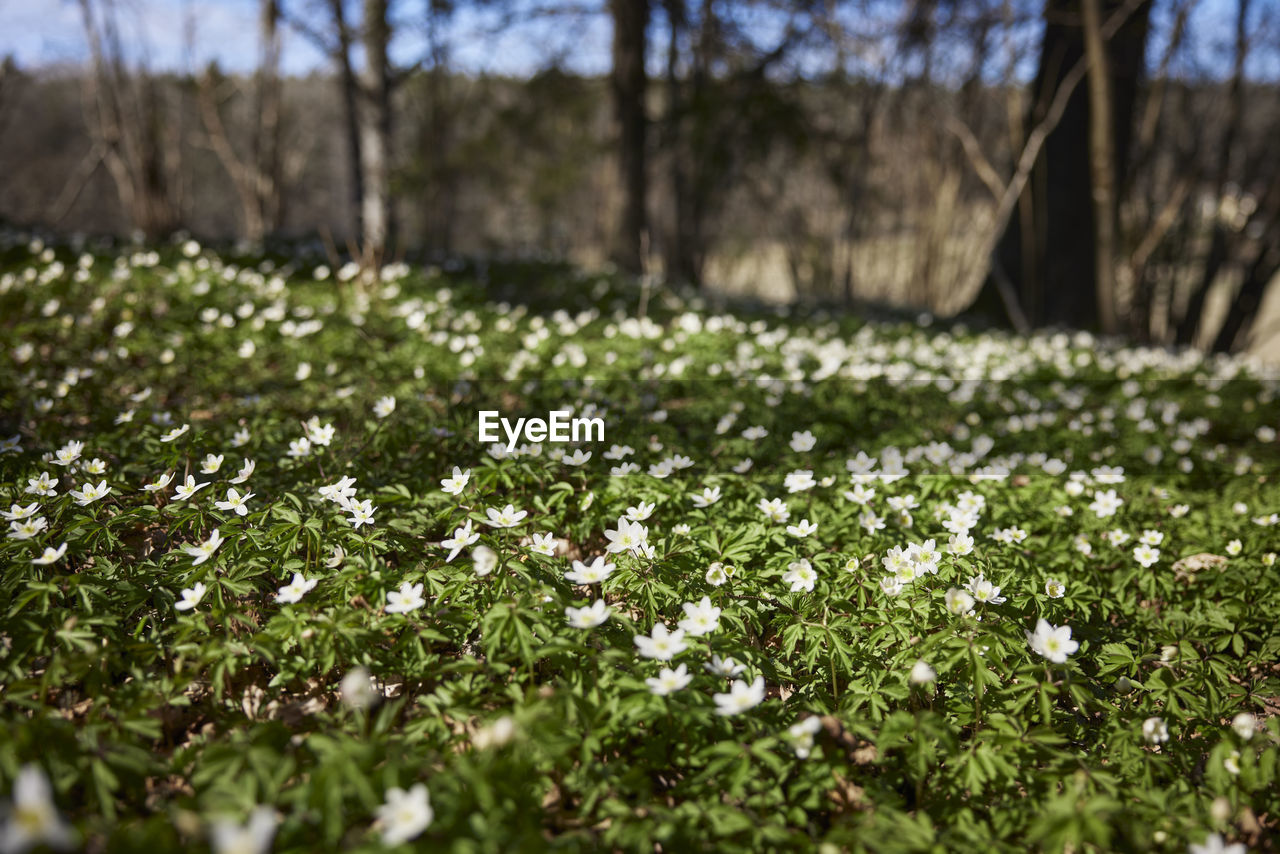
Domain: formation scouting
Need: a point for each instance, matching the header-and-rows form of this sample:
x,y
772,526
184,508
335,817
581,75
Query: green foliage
x,y
151,722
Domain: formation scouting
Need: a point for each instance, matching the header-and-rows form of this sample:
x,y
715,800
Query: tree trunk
x,y
267,153
1244,309
1051,255
630,26
350,114
375,134
1102,166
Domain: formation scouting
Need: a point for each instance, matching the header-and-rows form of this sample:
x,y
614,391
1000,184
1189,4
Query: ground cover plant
x,y
825,584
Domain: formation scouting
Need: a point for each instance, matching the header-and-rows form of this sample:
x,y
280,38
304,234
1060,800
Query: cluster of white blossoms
x,y
343,493
820,496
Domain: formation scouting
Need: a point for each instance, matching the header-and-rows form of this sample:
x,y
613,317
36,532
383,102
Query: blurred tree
x,y
126,119
375,133
630,87
1050,254
258,177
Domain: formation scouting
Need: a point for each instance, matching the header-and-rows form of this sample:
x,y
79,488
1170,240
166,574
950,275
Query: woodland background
x,y
1101,164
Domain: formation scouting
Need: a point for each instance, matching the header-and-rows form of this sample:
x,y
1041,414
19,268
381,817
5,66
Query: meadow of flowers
x,y
827,584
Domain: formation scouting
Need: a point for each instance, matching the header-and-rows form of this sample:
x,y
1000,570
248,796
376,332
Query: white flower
x,y
318,434
457,482
245,471
1055,589
1214,844
254,837
384,406
1151,538
405,814
1106,503
17,512
543,544
1052,642
960,544
801,442
296,589
800,575
205,550
890,585
361,513
804,529
50,555
726,666
984,591
187,489
629,536
357,689
159,484
42,485
922,673
860,494
1154,730
709,496
67,454
175,433
577,458
701,618
640,512
774,509
495,734
191,597
801,734
799,481
507,517
407,598
662,644
716,574
33,819
89,493
959,602
211,464
25,529
484,560
1146,555
1245,725
1234,547
669,681
462,537
590,573
340,492
1232,762
235,502
589,617
741,697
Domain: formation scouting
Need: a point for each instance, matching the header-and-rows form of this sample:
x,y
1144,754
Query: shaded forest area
x,y
1046,163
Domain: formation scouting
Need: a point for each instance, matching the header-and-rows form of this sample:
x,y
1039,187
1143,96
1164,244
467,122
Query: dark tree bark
x,y
1050,254
629,84
1244,309
350,112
